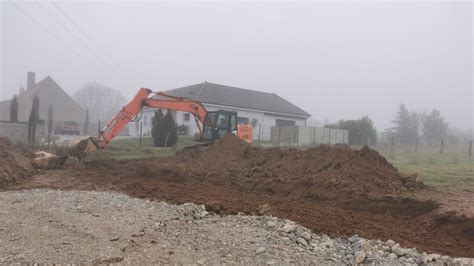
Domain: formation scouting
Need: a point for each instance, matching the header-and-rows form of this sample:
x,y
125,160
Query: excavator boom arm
x,y
179,104
130,111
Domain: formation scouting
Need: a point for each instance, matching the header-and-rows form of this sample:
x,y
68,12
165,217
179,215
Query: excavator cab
x,y
219,123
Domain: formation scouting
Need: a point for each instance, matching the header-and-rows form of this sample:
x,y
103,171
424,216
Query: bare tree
x,y
102,102
434,127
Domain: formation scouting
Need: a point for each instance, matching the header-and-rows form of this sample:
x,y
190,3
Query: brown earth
x,y
458,198
332,190
14,162
316,173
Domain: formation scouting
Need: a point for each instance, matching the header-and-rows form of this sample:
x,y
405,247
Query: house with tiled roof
x,y
49,93
262,110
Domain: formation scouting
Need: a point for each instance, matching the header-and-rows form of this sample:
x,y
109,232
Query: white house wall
x,y
145,118
264,121
269,121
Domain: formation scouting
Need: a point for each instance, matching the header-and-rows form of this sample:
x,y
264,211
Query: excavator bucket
x,y
80,148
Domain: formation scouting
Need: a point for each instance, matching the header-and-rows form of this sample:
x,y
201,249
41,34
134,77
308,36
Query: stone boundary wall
x,y
17,132
302,136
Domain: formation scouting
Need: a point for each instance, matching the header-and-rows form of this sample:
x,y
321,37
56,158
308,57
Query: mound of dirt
x,y
322,172
332,190
228,149
14,162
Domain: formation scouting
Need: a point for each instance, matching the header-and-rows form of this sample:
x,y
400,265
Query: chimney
x,y
22,90
30,80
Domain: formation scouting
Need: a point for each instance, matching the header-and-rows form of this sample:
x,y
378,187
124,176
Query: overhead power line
x,y
101,56
67,29
101,59
84,33
64,13
42,26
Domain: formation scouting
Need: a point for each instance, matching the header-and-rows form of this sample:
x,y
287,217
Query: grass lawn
x,y
448,169
129,148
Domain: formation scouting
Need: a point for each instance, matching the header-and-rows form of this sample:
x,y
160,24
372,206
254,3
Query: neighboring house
x,y
48,92
262,110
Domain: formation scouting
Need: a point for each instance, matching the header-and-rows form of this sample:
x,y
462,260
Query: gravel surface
x,y
52,226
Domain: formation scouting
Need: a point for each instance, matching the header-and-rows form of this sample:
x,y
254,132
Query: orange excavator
x,y
212,125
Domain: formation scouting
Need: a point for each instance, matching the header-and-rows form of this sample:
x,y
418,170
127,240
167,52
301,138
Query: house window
x,y
242,121
146,120
284,123
186,117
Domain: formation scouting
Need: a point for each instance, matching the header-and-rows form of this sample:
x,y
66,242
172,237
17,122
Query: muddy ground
x,y
332,190
14,162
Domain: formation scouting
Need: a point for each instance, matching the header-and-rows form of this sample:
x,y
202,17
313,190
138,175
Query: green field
x,y
451,168
129,148
454,167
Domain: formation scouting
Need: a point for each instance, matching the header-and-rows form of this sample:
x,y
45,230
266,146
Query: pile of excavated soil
x,y
322,172
331,190
14,161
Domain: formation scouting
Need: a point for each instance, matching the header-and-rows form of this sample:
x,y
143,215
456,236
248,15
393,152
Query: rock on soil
x,y
14,162
53,226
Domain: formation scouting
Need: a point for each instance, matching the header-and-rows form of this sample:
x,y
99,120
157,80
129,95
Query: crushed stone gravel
x,y
54,226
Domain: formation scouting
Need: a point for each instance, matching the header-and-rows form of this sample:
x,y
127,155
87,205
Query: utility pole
x,y
49,133
279,136
391,147
416,144
329,141
470,148
259,133
141,124
441,151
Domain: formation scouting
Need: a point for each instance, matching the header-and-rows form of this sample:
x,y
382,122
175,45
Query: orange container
x,y
245,132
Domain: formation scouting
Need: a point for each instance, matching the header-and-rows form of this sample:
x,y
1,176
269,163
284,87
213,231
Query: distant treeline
x,y
409,128
361,131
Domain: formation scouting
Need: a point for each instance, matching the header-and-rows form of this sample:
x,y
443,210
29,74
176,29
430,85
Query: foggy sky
x,y
335,60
